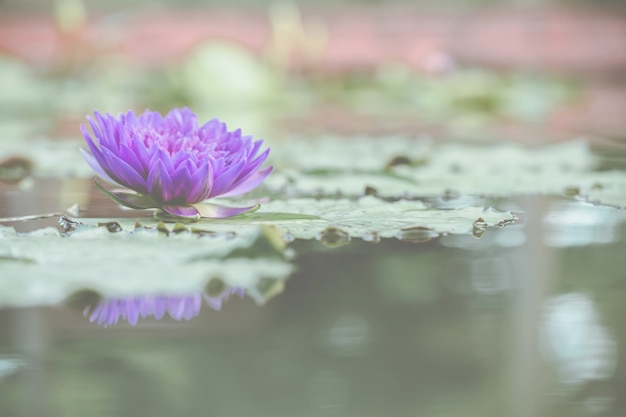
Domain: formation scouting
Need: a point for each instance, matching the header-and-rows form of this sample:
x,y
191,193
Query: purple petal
x,y
119,170
149,119
159,183
184,119
160,307
213,128
132,312
132,200
175,308
214,302
182,211
181,183
95,128
255,147
242,176
109,312
93,163
215,211
147,306
224,181
247,172
202,182
165,159
128,119
254,164
193,304
95,150
140,150
131,158
181,157
107,135
249,183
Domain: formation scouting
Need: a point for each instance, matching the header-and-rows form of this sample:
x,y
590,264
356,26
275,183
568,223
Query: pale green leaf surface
x,y
359,153
498,170
357,217
304,168
42,267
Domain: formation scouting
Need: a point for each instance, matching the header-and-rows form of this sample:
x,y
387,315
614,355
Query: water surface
x,y
523,320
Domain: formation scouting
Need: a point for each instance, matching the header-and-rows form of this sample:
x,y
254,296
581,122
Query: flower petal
x,y
164,158
107,136
159,183
175,308
253,164
93,163
215,211
122,172
131,200
224,181
214,302
184,119
95,150
160,307
249,183
131,158
181,183
202,181
140,150
132,311
249,169
189,212
149,119
95,128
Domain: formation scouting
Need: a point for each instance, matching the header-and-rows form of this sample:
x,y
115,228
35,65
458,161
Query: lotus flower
x,y
172,163
179,307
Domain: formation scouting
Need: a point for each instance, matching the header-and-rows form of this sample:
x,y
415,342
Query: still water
x,y
524,320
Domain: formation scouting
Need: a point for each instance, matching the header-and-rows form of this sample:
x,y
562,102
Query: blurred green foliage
x,y
222,79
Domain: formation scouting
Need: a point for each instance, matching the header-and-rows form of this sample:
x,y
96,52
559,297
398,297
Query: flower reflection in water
x,y
179,307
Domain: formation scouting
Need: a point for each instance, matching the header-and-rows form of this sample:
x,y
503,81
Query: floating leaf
x,y
128,262
360,218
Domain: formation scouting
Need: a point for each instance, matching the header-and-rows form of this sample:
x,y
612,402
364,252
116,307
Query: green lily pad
x,y
308,218
497,170
393,167
117,263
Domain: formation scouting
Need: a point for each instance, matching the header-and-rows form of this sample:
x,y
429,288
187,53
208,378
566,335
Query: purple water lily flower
x,y
179,307
172,163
